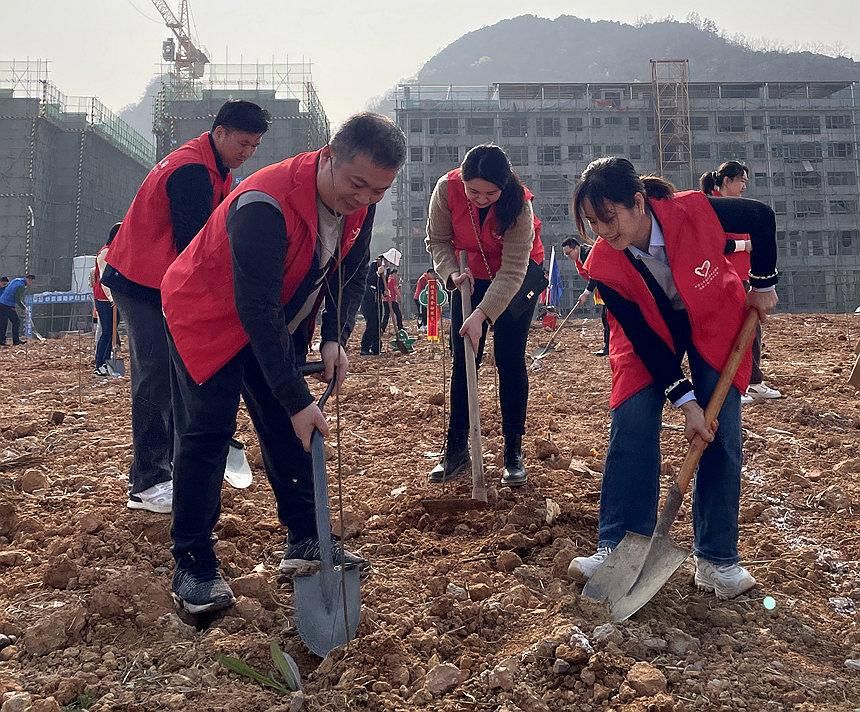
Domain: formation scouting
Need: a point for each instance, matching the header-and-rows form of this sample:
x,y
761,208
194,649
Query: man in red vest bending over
x,y
170,208
240,305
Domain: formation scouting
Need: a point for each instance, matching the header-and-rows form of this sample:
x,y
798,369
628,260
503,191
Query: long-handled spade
x,y
639,566
328,601
479,485
538,354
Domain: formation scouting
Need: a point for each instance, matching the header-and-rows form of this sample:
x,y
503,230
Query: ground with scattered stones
x,y
471,611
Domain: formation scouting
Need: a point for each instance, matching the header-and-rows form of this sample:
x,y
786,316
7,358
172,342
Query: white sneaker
x,y
582,568
725,580
747,400
158,498
763,391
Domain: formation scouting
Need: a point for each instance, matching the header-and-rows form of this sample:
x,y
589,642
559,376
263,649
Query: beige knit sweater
x,y
516,247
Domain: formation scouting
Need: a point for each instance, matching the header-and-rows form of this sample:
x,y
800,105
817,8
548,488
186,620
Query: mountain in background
x,y
570,49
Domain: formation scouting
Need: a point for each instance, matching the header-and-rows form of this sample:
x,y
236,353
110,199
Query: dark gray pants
x,y
151,414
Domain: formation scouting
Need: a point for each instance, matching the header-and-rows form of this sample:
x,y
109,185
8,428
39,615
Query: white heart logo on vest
x,y
703,269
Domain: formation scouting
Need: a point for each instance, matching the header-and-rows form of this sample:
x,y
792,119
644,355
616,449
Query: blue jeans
x,y
631,485
103,350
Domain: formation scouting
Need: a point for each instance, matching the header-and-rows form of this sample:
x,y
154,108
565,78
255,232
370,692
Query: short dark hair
x,y
4,278
31,277
113,231
374,135
240,115
570,242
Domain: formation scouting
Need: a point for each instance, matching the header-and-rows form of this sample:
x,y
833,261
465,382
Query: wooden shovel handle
x,y
479,486
698,444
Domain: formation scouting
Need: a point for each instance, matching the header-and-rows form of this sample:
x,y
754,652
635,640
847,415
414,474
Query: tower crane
x,y
188,60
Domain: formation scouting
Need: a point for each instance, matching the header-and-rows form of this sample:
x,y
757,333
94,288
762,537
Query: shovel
x,y
639,566
328,602
550,345
115,365
479,485
237,472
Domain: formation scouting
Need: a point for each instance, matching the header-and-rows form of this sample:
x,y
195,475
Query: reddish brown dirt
x,y
465,612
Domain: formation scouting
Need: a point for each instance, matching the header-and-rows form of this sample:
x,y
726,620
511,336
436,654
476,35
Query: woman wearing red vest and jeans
x,y
483,209
173,203
730,181
240,305
104,308
660,267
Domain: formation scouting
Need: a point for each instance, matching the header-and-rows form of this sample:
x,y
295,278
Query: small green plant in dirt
x,y
284,664
81,702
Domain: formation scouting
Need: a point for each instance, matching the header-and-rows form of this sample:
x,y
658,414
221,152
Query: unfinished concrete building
x,y
185,108
799,141
69,169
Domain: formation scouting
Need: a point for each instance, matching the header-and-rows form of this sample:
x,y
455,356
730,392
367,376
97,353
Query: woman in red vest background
x,y
730,181
660,267
392,300
104,308
483,209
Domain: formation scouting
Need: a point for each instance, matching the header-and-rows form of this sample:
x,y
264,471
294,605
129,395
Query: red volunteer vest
x,y
462,215
143,248
197,291
710,288
98,290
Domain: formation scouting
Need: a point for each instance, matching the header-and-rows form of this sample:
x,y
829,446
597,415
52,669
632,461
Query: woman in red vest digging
x,y
483,209
730,181
659,265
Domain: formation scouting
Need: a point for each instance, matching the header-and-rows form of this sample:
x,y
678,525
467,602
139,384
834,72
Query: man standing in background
x,y
11,300
172,205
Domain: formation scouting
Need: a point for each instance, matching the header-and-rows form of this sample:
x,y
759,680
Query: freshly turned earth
x,y
470,611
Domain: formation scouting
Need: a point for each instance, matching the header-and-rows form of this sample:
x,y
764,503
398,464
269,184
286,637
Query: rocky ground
x,y
471,611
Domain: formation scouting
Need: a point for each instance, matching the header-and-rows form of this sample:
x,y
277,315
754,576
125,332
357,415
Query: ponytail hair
x,y
712,180
614,180
490,163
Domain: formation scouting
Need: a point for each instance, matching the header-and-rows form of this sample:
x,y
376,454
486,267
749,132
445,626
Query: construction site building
x,y
69,169
185,108
798,139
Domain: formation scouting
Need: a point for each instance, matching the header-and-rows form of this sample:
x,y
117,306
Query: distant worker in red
x,y
170,208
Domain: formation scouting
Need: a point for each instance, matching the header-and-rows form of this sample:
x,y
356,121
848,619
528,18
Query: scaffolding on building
x,y
287,86
671,82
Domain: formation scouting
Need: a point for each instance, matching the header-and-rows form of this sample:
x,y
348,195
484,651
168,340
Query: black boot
x,y
456,459
514,473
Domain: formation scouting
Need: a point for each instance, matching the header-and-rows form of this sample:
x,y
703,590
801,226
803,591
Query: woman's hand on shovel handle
x,y
334,356
696,424
304,423
473,328
459,277
762,302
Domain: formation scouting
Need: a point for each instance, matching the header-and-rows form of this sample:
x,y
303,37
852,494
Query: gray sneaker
x,y
298,554
199,589
725,580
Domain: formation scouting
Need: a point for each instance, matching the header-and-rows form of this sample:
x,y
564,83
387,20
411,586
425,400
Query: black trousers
x,y
509,338
10,314
151,413
371,309
105,345
205,420
398,315
421,312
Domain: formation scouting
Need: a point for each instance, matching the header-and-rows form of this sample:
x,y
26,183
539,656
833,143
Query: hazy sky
x,y
111,48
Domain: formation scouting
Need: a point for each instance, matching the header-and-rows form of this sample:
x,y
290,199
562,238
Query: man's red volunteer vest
x,y
710,288
197,292
144,247
491,241
740,260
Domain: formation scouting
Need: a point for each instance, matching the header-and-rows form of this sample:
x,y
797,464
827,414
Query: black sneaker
x,y
297,554
199,588
456,461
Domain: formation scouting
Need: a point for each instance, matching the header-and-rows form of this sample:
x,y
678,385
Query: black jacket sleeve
x,y
258,243
354,271
741,215
661,362
190,192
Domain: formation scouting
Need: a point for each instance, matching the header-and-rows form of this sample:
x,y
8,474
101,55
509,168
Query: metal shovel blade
x,y
639,566
115,367
320,609
237,473
538,354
